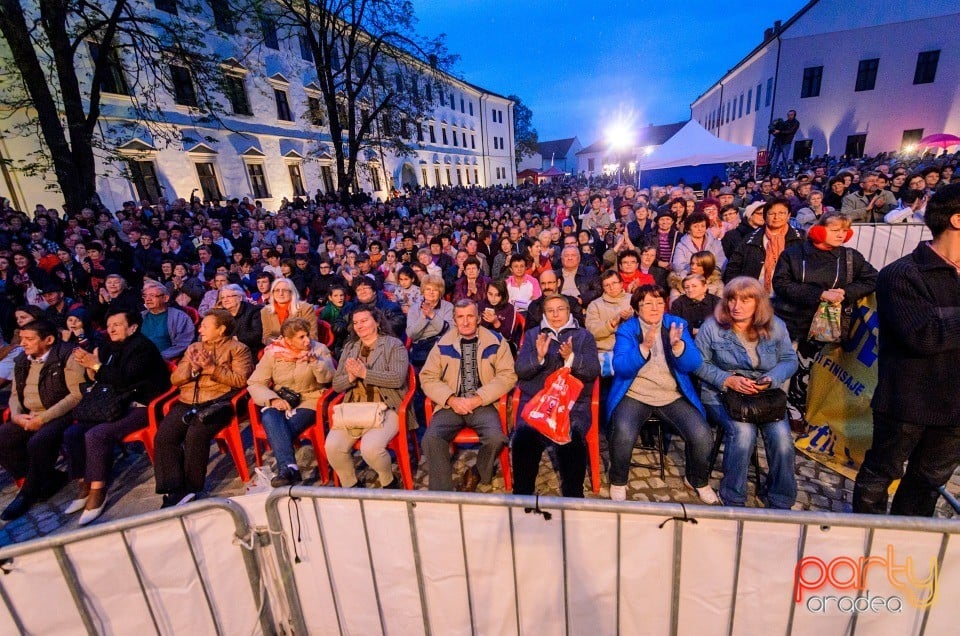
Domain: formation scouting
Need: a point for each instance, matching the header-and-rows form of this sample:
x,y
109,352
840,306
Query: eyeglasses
x,y
281,290
653,303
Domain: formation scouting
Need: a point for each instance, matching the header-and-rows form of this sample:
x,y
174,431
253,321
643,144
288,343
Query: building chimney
x,y
767,34
777,26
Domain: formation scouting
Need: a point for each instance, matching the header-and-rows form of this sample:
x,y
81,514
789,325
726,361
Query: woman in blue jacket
x,y
653,358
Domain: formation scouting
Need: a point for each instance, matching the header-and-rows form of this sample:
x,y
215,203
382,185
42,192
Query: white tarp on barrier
x,y
882,244
134,576
482,565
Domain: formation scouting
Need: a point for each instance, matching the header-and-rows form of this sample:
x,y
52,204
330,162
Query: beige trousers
x,y
373,449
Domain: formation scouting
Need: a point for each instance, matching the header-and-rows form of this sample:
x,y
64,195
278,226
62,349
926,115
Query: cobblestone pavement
x,y
132,491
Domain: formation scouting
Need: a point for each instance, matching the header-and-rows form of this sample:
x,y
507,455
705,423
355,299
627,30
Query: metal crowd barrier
x,y
883,243
182,570
443,563
386,562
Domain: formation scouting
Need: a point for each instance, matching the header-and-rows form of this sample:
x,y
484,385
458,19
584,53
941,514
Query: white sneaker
x,y
618,493
705,493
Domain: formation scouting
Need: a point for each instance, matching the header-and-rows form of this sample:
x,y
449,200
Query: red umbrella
x,y
940,140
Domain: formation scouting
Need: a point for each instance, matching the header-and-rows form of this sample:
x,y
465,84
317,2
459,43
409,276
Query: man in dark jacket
x,y
916,407
750,256
576,280
783,134
46,387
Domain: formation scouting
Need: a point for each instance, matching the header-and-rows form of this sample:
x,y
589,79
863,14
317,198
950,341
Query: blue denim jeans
x,y
630,415
739,439
282,431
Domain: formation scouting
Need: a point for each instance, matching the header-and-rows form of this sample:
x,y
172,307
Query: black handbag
x,y
762,408
101,403
200,412
289,396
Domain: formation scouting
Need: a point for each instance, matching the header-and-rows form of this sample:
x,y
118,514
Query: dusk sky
x,y
582,65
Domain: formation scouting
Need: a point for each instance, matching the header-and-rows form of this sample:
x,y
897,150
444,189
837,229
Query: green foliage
x,y
524,134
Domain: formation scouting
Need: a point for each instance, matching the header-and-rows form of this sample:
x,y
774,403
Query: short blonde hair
x,y
433,281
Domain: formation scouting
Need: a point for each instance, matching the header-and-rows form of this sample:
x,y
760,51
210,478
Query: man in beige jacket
x,y
466,372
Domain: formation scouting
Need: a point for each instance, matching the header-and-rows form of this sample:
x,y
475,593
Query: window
x,y
144,177
167,6
449,180
404,128
398,79
462,110
464,139
423,175
926,67
385,129
493,113
326,173
811,81
590,164
237,94
296,179
428,90
496,142
453,103
113,80
502,146
223,17
749,99
443,133
867,75
208,182
476,176
455,141
306,52
769,97
269,28
911,137
757,105
855,145
258,181
436,173
283,106
375,178
740,109
459,177
802,149
420,132
473,141
433,135
471,108
183,91
315,111
335,58
466,173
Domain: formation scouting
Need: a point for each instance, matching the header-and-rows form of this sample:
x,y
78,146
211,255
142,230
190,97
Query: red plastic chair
x,y
469,436
399,442
324,332
146,435
313,434
593,434
593,438
228,439
193,313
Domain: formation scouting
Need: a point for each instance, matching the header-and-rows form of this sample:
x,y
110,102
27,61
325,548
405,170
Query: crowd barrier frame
x,y
95,616
883,243
699,528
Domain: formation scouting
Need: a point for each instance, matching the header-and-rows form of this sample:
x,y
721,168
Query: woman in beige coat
x,y
285,303
605,314
304,368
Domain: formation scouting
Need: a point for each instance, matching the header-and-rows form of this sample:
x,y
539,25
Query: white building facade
x,y
864,77
271,146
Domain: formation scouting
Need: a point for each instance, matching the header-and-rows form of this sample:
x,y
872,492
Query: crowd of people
x,y
676,303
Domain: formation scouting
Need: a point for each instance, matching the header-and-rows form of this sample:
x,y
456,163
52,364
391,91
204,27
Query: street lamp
x,y
619,137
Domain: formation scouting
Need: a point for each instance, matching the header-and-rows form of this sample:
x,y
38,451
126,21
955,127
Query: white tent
x,y
694,146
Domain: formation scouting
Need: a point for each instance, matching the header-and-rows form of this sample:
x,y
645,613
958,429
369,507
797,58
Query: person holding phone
x,y
745,348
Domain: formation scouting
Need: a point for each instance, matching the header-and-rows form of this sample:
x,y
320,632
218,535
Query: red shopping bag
x,y
549,410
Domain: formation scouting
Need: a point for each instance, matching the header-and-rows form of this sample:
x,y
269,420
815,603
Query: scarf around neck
x,y
775,244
